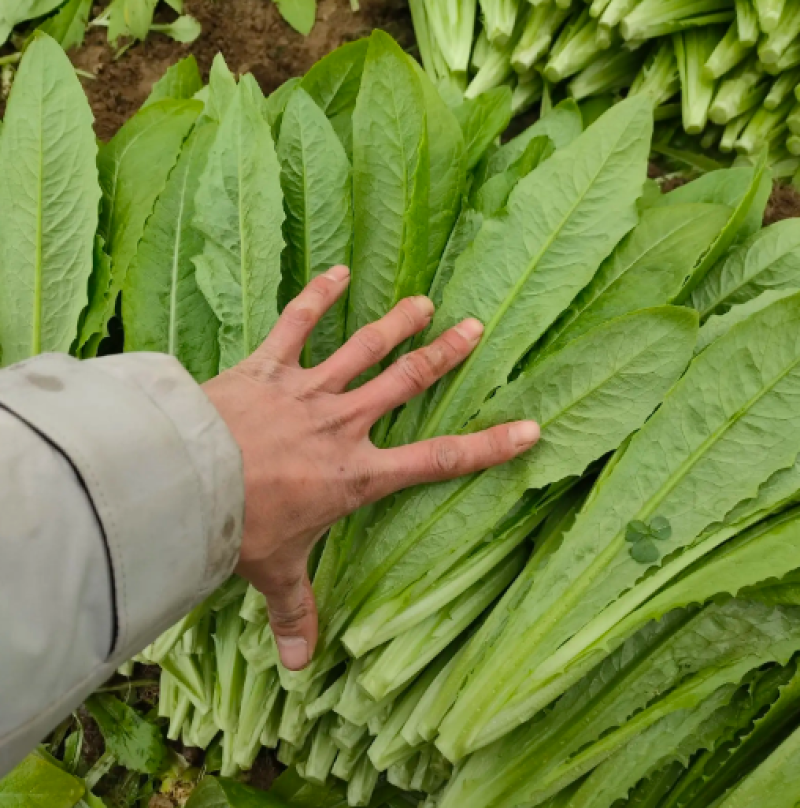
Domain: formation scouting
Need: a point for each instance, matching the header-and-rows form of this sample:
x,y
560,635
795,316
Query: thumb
x,y
292,616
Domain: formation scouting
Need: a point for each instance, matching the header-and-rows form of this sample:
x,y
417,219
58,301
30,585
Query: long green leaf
x,y
563,219
162,307
334,83
390,185
239,211
134,166
447,159
667,669
317,187
48,205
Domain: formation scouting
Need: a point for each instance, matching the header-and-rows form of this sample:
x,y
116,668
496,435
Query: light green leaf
x,y
239,211
13,12
483,120
719,324
134,166
37,783
221,89
770,259
390,185
48,205
162,307
185,29
745,191
300,14
563,219
182,81
317,186
733,401
648,268
447,169
68,26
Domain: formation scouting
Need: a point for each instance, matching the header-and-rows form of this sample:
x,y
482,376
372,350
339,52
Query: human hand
x,y
304,437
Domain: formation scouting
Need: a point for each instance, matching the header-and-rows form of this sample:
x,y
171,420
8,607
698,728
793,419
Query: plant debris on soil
x,y
250,34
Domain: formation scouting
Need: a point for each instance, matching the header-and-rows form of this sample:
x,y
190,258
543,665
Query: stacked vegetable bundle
x,y
729,68
614,614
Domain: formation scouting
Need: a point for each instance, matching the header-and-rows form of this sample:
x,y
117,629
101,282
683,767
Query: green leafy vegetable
x,y
48,205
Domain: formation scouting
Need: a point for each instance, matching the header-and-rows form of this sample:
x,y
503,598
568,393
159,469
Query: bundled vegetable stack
x,y
728,70
612,619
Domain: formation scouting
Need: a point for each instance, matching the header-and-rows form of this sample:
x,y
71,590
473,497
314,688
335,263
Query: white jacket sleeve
x,y
121,507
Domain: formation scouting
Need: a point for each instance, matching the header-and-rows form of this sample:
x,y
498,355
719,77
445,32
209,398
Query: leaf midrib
x,y
36,341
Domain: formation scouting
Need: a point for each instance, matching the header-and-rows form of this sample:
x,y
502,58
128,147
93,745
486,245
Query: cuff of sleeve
x,y
161,469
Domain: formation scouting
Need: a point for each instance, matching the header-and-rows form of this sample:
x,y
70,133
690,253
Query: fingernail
x,y
338,273
424,305
293,651
470,329
524,434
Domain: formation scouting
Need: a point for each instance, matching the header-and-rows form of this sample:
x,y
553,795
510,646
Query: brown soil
x,y
250,34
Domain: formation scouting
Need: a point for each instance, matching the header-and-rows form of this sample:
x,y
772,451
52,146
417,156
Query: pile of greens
x,y
612,619
725,71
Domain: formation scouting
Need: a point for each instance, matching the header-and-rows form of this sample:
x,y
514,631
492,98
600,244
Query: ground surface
x,y
250,34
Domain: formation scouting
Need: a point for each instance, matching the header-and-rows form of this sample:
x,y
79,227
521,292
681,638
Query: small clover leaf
x,y
660,528
645,552
636,531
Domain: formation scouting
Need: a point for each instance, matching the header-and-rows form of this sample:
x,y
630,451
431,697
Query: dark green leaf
x,y
636,531
660,528
135,743
645,552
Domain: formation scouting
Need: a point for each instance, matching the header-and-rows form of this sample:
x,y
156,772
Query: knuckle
x,y
372,342
414,371
446,457
286,616
409,309
299,312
